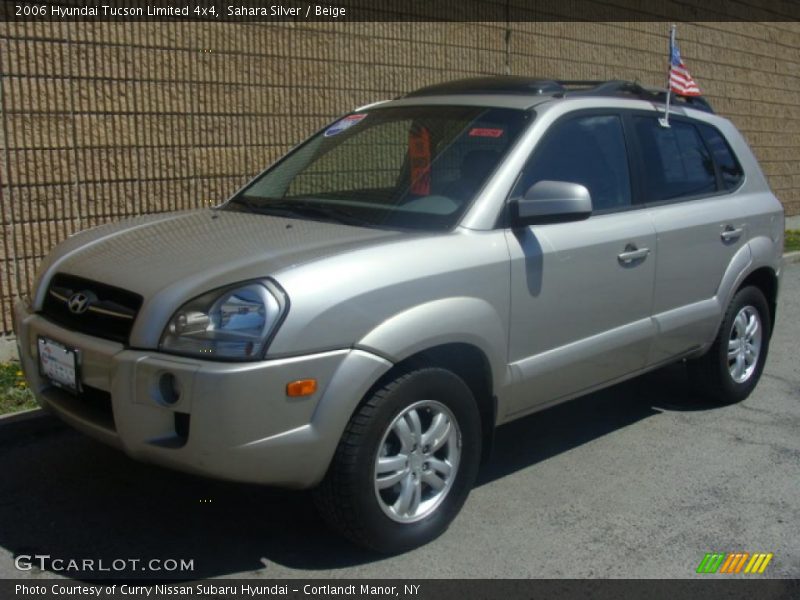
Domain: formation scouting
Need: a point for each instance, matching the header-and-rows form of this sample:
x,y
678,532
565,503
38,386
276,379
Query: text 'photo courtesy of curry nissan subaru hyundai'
x,y
360,317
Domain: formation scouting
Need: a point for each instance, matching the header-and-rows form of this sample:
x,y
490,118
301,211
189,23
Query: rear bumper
x,y
231,421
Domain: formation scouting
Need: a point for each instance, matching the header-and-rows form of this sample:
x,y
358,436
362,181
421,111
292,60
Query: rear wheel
x,y
731,368
405,463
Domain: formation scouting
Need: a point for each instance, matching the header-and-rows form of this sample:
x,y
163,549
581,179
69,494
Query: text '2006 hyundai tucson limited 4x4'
x,y
361,316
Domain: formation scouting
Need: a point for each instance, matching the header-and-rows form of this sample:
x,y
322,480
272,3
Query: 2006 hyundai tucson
x,y
360,317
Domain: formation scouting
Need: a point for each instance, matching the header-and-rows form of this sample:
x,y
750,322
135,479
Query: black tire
x,y
347,497
711,372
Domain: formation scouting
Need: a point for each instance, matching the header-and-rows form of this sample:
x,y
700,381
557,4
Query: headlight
x,y
229,323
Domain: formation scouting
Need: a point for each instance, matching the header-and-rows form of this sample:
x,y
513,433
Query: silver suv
x,y
361,316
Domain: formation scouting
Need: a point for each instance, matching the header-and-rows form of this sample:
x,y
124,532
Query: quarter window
x,y
676,161
729,168
588,150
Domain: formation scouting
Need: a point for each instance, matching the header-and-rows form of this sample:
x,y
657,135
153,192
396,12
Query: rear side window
x,y
676,161
729,168
588,150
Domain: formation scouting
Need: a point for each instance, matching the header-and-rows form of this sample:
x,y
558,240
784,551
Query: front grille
x,y
109,312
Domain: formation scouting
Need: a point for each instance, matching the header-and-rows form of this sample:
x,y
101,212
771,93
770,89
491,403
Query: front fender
x,y
463,320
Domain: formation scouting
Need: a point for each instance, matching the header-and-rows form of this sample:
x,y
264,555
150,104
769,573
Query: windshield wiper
x,y
296,208
245,203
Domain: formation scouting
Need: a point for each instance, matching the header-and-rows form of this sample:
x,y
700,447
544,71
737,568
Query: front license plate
x,y
58,363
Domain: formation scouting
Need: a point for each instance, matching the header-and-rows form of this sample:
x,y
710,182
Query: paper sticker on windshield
x,y
419,154
485,132
344,124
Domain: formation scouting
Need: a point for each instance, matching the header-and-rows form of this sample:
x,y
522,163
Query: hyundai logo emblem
x,y
80,302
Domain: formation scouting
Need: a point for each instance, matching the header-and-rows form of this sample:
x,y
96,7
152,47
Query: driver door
x,y
580,305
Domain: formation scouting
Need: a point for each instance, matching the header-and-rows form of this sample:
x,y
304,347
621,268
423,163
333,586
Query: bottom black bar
x,y
422,589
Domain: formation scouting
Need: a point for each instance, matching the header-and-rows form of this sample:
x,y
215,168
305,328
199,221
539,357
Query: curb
x,y
23,415
8,348
791,257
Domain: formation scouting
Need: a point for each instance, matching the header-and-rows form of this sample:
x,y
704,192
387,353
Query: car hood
x,y
172,257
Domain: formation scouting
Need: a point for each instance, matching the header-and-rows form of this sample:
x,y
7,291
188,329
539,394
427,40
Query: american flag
x,y
680,81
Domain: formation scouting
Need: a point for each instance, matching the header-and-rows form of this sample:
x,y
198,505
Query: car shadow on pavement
x,y
544,434
69,497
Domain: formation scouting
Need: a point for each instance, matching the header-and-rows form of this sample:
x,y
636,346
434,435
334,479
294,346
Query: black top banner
x,y
401,10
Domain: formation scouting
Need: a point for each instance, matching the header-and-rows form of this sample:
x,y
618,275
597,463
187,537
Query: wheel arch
x,y
466,361
340,495
766,280
755,263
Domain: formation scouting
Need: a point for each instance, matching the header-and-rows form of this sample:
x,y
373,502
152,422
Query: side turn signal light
x,y
302,387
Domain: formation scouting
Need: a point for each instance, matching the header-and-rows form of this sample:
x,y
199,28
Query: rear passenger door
x,y
688,171
581,292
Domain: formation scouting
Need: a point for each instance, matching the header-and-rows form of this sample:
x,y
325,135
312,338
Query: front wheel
x,y
731,368
405,463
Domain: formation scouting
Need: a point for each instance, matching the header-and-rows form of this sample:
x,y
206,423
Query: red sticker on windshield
x,y
485,132
419,153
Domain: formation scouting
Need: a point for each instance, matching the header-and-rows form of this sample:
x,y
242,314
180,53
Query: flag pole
x,y
665,121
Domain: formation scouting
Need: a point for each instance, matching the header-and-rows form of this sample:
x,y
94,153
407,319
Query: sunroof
x,y
491,85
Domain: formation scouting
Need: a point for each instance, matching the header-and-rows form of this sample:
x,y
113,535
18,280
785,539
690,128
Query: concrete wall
x,y
104,120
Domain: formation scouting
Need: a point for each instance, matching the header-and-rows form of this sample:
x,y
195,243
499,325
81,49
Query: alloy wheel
x,y
417,461
744,344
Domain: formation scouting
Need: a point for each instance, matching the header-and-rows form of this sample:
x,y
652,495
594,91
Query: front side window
x,y
676,162
588,150
415,167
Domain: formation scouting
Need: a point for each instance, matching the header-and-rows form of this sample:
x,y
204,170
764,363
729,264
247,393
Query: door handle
x,y
731,233
632,253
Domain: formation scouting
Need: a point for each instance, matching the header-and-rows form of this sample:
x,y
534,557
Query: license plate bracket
x,y
59,364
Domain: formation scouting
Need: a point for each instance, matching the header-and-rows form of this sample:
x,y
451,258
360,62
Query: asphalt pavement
x,y
639,480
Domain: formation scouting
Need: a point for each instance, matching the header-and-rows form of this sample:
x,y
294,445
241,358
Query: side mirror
x,y
552,202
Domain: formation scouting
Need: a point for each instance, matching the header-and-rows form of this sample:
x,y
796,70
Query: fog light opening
x,y
182,426
169,388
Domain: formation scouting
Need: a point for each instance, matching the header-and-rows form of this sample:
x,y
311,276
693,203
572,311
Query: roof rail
x,y
633,88
557,88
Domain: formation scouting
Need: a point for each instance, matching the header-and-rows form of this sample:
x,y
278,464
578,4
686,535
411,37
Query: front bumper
x,y
231,421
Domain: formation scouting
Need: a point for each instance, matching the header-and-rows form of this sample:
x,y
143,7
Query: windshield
x,y
411,167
